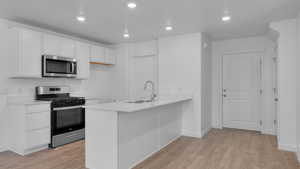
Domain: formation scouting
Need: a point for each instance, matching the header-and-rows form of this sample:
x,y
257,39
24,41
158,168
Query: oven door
x,y
67,119
56,66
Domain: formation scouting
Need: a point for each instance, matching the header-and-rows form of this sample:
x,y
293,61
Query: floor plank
x,y
220,149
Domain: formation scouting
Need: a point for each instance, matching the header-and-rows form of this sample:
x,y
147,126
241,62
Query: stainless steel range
x,y
67,114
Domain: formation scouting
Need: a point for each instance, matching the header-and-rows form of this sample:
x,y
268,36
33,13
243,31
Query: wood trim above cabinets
x,y
100,63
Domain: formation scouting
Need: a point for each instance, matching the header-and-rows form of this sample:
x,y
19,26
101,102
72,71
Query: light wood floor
x,y
220,149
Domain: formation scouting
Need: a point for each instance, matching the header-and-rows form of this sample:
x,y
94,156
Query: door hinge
x,y
261,91
260,122
275,90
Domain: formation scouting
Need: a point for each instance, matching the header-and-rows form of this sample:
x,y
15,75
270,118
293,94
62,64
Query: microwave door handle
x,y
72,67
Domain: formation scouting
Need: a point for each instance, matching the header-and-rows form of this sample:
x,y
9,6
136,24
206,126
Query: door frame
x,y
261,54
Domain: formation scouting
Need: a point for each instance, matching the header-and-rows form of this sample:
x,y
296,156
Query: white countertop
x,y
123,106
24,100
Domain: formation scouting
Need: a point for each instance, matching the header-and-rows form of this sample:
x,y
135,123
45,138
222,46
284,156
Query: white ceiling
x,y
106,18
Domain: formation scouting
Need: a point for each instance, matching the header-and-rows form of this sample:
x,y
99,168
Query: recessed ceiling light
x,y
131,5
226,18
169,28
126,35
81,18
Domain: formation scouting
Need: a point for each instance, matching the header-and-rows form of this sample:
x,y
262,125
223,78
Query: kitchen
x,y
121,102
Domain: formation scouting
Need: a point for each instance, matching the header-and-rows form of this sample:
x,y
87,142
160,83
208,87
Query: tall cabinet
x,y
82,53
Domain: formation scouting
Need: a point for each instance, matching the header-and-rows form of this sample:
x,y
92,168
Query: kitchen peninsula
x,y
120,135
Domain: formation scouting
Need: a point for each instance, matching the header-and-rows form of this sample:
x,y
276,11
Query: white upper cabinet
x,y
55,45
144,48
97,54
67,48
51,44
110,56
28,58
102,55
82,53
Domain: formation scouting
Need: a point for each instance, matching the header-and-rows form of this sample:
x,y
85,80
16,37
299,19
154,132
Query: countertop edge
x,y
145,106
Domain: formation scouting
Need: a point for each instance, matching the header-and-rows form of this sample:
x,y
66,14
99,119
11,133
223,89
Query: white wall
x,y
134,67
121,73
287,72
142,67
98,86
206,76
254,44
180,73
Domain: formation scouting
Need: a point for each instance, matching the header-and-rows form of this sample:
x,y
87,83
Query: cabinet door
x,y
30,53
37,138
110,56
82,55
67,48
97,54
51,44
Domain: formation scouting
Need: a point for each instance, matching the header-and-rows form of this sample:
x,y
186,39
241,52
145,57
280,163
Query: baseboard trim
x,y
191,134
2,149
268,132
287,147
205,131
217,127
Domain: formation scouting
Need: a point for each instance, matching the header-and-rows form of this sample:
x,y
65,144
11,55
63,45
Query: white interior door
x,y
241,91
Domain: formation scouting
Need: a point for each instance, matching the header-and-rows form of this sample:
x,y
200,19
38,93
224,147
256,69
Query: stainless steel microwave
x,y
57,66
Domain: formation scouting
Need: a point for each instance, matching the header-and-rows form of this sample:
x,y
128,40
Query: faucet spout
x,y
153,95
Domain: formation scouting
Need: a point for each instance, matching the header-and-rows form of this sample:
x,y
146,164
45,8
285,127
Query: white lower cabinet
x,y
29,127
35,121
37,138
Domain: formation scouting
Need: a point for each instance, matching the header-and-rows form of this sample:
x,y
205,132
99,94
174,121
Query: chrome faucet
x,y
153,95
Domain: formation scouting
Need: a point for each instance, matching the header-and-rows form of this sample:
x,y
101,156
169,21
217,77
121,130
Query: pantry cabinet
x,y
82,53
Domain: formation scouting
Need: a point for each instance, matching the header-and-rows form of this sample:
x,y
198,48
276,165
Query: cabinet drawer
x,y
37,121
38,108
37,138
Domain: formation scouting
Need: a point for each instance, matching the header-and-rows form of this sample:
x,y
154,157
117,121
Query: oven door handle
x,y
72,68
67,108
